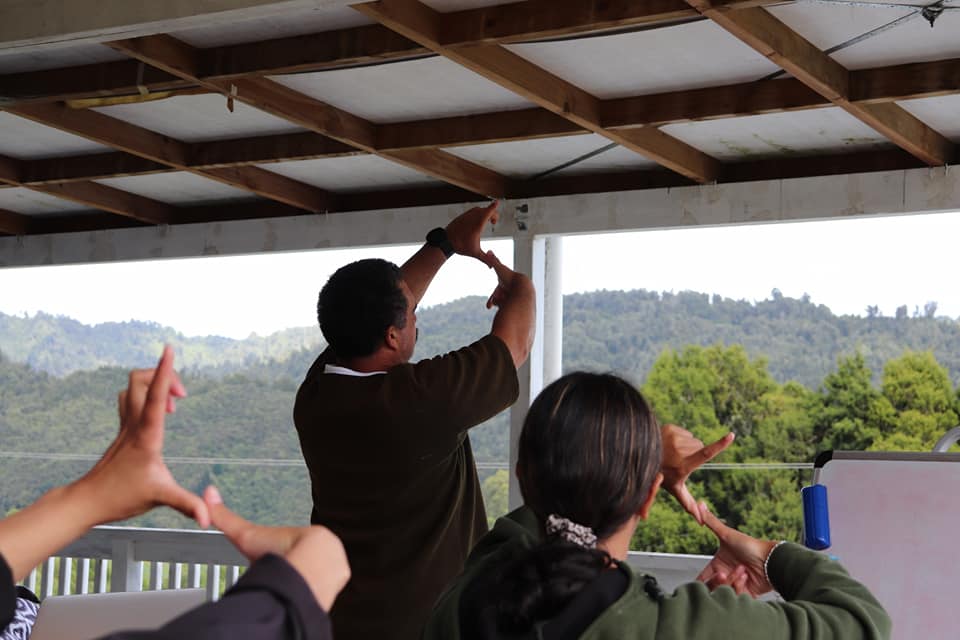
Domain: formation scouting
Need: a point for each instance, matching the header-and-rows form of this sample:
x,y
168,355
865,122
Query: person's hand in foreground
x,y
683,453
315,552
465,230
739,560
130,478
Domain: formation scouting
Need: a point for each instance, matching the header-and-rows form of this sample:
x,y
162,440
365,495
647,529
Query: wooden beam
x,y
180,59
94,195
123,203
168,151
14,224
788,49
492,61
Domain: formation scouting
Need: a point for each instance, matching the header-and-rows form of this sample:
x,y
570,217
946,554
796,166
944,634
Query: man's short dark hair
x,y
357,305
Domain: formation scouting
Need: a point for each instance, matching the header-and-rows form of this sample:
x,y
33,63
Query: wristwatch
x,y
438,238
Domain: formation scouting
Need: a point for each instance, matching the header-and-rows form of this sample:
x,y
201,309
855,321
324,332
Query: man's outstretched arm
x,y
464,236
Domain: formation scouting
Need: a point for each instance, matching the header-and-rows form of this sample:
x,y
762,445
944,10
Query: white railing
x,y
110,559
670,569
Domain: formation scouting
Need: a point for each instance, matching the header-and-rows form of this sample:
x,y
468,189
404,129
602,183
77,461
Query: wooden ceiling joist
x,y
419,22
94,195
14,224
173,153
789,50
368,44
180,59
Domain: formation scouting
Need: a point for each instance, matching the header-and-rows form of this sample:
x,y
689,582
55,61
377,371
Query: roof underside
x,y
401,103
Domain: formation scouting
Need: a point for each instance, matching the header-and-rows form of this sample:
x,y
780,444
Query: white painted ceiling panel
x,y
913,41
177,188
528,158
26,140
198,118
942,113
279,25
55,56
411,90
827,25
29,202
686,56
352,173
829,130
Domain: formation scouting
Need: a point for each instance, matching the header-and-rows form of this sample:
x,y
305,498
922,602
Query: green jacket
x,y
821,600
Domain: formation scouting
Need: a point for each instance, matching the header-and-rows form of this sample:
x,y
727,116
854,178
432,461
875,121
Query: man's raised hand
x,y
465,230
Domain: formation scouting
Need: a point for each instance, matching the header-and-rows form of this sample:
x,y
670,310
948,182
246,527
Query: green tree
x,y
496,495
851,413
919,389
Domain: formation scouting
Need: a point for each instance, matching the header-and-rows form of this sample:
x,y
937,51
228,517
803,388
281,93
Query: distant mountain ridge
x,y
622,331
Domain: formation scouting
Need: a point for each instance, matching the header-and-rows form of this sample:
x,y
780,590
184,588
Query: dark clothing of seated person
x,y
271,601
588,463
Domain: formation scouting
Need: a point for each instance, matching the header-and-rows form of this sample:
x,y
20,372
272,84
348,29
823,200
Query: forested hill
x,y
609,330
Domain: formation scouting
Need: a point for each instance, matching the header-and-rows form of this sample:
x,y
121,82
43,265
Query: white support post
x,y
46,584
553,310
529,257
127,572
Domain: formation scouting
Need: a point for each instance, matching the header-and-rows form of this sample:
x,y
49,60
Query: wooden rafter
x,y
173,153
419,22
97,196
882,84
14,223
369,44
180,59
788,49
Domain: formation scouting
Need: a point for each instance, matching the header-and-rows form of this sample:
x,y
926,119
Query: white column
x,y
541,258
553,310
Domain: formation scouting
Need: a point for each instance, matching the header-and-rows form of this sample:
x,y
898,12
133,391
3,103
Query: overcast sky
x,y
844,264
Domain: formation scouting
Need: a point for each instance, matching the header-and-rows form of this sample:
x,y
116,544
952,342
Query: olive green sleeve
x,y
820,601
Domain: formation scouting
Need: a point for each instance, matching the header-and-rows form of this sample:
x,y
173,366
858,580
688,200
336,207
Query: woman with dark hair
x,y
591,460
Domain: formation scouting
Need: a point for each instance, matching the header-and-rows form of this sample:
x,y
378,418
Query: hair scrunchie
x,y
570,531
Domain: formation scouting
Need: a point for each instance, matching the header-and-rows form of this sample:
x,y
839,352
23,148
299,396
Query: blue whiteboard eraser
x,y
816,517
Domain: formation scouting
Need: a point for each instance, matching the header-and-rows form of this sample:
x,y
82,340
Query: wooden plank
x,y
482,128
269,96
202,155
14,223
906,81
122,203
99,80
153,146
422,24
727,101
788,49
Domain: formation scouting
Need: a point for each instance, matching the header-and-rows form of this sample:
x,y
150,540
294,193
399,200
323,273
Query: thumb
x,y
721,530
187,503
223,518
687,501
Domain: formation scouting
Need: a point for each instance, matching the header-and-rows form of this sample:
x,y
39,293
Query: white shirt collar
x,y
343,371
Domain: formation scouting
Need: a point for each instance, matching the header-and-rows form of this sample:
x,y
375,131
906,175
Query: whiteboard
x,y
895,526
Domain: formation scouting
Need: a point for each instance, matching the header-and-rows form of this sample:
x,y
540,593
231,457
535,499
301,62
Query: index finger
x,y
493,213
157,395
711,451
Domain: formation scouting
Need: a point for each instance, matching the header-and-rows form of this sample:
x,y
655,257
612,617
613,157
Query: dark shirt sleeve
x,y
8,594
271,601
467,386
